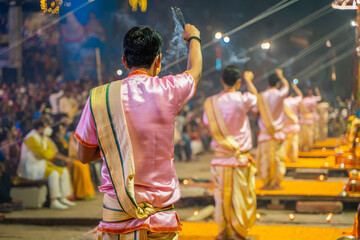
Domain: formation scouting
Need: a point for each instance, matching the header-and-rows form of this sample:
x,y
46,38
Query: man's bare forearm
x,y
297,90
87,155
194,65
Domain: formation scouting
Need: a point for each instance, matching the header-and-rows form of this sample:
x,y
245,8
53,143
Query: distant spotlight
x,y
295,81
323,149
119,72
196,212
328,43
329,217
218,35
258,216
291,216
342,165
321,177
326,164
357,140
266,45
185,182
226,39
333,76
353,23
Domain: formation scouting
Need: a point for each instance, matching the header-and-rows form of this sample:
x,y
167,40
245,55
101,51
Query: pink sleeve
x,y
250,100
284,92
317,98
184,87
85,131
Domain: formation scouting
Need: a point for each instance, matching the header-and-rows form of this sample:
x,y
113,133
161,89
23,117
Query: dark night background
x,y
211,16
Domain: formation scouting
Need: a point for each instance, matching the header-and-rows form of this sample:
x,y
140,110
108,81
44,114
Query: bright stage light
x,y
291,216
295,81
353,23
329,217
119,72
321,177
333,76
258,216
186,182
265,45
226,39
196,212
328,43
218,35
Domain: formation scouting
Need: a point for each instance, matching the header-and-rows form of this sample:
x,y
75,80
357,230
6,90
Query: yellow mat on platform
x,y
304,188
318,153
312,163
319,163
330,142
208,231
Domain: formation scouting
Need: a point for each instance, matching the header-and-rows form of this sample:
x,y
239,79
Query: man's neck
x,y
229,89
142,69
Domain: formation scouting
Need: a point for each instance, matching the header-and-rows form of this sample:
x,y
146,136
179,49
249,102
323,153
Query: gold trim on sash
x,y
112,212
290,114
220,131
305,112
266,114
114,141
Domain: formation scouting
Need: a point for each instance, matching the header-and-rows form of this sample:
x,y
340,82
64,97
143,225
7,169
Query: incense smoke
x,y
177,45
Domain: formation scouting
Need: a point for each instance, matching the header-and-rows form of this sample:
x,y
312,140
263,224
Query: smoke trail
x,y
177,45
125,20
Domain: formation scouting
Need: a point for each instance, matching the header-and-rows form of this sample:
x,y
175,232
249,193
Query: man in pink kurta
x,y
150,105
270,152
308,119
234,107
292,126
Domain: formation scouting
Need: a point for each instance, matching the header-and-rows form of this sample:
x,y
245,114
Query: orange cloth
x,y
81,180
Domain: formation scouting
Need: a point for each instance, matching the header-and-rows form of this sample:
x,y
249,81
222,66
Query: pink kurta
x,y
289,125
234,107
150,105
310,104
275,100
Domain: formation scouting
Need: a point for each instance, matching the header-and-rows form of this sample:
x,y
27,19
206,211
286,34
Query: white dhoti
x,y
316,131
292,146
270,162
235,198
323,131
306,137
59,184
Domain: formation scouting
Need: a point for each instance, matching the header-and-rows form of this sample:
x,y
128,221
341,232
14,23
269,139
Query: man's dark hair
x,y
141,46
273,80
230,75
39,123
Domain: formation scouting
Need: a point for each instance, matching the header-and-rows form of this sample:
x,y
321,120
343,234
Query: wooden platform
x,y
292,191
208,231
328,143
305,191
317,153
320,163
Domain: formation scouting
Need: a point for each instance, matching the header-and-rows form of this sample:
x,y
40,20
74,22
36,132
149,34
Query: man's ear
x,y
158,60
238,83
124,61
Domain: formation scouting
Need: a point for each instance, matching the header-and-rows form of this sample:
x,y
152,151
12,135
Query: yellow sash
x,y
220,131
290,113
305,111
115,144
266,114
